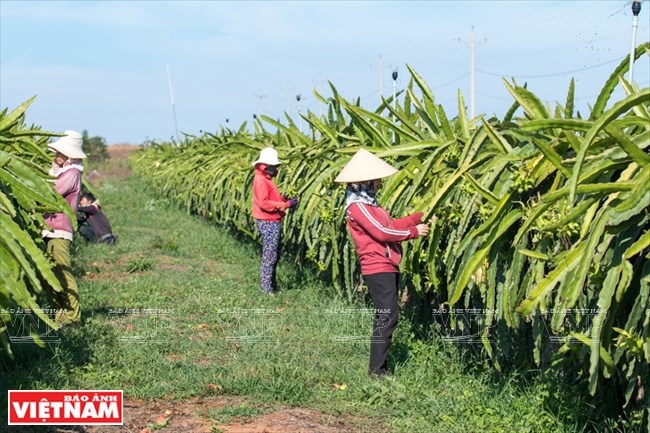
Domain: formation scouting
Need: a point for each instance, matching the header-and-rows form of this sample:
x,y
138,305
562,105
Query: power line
x,y
454,66
510,17
501,98
582,98
421,51
554,74
374,92
259,104
450,82
432,53
550,50
368,67
618,11
552,22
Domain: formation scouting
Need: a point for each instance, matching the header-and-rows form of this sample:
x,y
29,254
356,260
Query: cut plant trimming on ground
x,y
542,228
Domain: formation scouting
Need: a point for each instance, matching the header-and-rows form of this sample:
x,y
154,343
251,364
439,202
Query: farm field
x,y
525,309
199,281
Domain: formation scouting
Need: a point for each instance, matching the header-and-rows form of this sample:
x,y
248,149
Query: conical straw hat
x,y
364,166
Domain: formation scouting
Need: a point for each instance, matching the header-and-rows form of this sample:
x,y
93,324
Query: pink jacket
x,y
68,184
267,201
377,236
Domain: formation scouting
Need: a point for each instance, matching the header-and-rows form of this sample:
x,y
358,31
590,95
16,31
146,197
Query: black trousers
x,y
383,290
87,232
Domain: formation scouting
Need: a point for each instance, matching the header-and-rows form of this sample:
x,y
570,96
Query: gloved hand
x,y
292,202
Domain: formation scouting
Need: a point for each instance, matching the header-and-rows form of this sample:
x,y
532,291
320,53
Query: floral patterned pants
x,y
271,233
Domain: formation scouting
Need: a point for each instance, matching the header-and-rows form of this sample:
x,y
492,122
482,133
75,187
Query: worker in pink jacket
x,y
377,239
269,207
66,169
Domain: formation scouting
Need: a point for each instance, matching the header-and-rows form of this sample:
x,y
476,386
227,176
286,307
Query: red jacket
x,y
267,201
377,236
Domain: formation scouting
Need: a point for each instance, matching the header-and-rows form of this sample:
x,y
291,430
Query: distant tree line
x,y
94,147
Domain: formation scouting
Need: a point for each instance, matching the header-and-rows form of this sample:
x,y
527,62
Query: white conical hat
x,y
70,145
268,156
364,166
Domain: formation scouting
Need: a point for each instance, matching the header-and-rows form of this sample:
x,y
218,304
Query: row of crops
x,y
543,213
25,194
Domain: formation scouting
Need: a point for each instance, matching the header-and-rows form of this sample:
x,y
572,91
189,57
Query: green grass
x,y
169,313
241,413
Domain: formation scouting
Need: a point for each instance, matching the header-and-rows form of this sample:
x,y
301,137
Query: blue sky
x,y
102,65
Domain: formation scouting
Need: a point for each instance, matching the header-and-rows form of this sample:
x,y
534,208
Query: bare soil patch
x,y
194,416
121,151
295,420
117,166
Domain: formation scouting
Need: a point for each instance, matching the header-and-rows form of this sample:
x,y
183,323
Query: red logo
x,y
65,407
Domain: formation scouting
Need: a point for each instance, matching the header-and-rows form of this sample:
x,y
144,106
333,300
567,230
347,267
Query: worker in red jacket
x,y
377,239
269,207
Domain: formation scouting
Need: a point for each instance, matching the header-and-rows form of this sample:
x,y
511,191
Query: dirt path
x,y
194,416
117,166
202,415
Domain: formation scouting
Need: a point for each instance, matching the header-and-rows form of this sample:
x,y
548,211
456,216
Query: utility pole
x,y
299,116
259,104
318,86
394,88
320,103
381,77
288,108
472,72
394,75
171,94
636,9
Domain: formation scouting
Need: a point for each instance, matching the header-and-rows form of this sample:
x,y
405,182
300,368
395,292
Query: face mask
x,y
271,170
